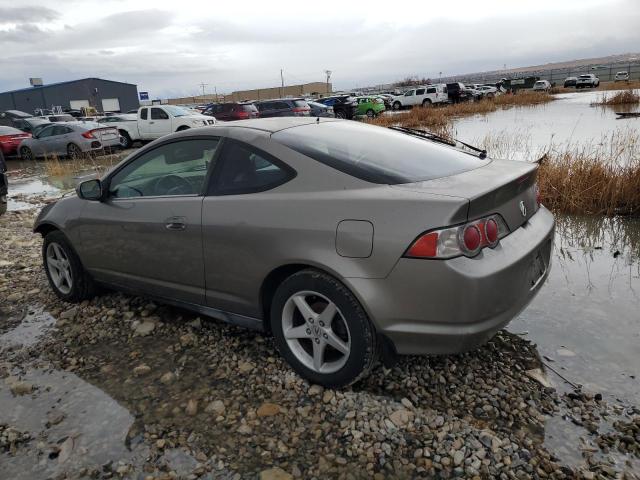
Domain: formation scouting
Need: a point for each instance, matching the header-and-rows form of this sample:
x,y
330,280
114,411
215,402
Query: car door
x,y
420,96
143,123
146,234
59,139
409,98
41,145
159,123
236,214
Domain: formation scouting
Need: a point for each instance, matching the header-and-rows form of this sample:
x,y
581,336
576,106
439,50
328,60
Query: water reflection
x,y
585,320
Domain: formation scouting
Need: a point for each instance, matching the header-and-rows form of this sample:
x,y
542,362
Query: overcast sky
x,y
169,47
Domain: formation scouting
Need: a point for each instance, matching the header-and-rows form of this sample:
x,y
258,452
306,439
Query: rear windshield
x,y
585,76
376,154
300,103
248,108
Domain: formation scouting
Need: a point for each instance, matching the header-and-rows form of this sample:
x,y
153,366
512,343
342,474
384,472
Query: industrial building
x,y
103,95
313,89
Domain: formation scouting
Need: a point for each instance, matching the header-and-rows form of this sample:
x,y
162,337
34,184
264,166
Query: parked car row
x,y
588,80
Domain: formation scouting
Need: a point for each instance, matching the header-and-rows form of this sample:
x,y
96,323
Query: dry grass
x,y
622,97
602,178
440,118
632,84
55,166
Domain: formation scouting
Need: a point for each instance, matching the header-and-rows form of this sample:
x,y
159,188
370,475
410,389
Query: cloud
x,y
23,33
27,14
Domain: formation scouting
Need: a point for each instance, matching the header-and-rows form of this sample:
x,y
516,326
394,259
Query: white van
x,y
425,96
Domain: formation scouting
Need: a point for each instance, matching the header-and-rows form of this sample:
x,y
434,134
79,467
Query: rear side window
x,y
248,108
431,90
244,169
420,91
376,154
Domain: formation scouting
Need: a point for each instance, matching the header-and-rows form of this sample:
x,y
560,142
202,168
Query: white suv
x,y
621,77
588,80
425,96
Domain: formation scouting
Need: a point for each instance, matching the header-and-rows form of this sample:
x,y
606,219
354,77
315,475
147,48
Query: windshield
x,y
177,111
376,154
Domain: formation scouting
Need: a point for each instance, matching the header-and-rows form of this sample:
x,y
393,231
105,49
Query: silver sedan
x,y
342,240
69,138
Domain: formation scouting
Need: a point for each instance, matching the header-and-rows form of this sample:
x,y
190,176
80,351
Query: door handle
x,y
151,123
175,223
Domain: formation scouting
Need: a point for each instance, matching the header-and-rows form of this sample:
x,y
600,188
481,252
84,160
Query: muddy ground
x,y
119,387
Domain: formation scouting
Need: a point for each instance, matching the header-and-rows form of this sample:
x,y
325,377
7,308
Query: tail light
x,y
13,138
242,114
88,134
467,239
301,109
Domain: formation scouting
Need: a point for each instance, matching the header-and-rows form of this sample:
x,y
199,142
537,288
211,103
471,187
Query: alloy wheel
x,y
26,153
74,151
59,268
316,331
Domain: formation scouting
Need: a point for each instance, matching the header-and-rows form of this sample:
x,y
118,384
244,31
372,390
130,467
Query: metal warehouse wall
x,y
92,90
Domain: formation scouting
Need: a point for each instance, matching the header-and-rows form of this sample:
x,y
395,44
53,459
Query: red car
x,y
231,111
10,138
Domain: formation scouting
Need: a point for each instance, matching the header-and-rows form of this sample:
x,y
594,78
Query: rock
x,y
192,407
246,367
14,297
268,410
244,429
65,450
327,396
21,388
144,328
69,314
458,457
188,339
406,403
54,418
565,352
217,407
539,376
315,390
168,378
141,370
275,473
400,417
161,443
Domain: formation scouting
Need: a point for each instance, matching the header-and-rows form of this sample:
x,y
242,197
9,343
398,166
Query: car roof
x,y
273,124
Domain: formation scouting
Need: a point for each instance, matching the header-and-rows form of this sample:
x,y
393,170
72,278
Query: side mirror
x,y
90,190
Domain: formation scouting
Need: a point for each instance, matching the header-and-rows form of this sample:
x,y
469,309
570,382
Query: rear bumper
x,y
437,307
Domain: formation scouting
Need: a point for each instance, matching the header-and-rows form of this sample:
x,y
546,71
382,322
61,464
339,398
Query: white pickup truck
x,y
157,120
425,96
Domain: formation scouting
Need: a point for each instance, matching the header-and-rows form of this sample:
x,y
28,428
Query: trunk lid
x,y
504,187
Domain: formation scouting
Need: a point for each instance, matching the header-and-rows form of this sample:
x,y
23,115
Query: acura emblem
x,y
523,208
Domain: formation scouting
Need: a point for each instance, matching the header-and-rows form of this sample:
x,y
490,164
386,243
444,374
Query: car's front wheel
x,y
397,105
371,113
26,153
321,329
66,275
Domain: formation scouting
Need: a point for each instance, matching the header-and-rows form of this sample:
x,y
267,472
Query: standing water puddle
x,y
34,324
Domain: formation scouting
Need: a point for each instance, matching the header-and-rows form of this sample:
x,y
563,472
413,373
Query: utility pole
x,y
440,79
328,74
282,84
215,89
203,85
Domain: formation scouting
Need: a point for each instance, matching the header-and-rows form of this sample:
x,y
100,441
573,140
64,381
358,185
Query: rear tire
x,y
397,105
371,113
67,277
125,139
344,336
426,103
340,114
74,152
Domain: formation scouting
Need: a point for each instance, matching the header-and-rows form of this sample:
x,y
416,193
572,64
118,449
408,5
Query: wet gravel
x,y
202,399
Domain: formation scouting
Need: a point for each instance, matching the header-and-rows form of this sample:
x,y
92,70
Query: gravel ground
x,y
120,387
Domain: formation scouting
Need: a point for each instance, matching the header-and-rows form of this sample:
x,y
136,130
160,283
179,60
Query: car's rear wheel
x,y
340,114
74,151
426,102
125,139
397,105
371,113
66,275
26,153
322,330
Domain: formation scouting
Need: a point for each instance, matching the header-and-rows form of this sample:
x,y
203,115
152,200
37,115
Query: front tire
x,y
321,329
26,153
371,113
341,114
67,277
397,105
426,103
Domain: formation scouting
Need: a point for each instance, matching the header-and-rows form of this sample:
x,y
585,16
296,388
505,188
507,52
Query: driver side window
x,y
177,168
